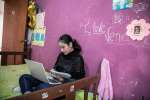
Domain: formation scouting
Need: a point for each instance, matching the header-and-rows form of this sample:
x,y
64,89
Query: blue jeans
x,y
29,83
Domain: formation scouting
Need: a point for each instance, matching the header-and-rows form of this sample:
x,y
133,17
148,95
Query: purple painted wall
x,y
101,33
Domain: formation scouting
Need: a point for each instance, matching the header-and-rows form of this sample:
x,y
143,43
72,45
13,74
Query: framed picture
x,y
137,29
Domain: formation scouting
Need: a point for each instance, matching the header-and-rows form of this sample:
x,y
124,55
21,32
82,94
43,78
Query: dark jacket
x,y
72,63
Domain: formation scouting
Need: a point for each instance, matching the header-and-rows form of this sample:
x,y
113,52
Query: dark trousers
x,y
29,83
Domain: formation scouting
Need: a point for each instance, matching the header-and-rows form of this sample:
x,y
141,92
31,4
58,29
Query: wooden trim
x,y
12,53
5,55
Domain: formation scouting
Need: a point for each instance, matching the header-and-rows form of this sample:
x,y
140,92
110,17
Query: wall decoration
x,y
138,29
38,36
32,14
40,17
122,4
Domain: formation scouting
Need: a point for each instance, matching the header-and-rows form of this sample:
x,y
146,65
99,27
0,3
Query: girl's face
x,y
65,48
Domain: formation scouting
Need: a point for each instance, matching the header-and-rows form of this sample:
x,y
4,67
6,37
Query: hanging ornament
x,y
31,14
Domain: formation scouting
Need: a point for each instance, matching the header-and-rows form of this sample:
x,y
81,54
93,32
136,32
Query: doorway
x,y
14,26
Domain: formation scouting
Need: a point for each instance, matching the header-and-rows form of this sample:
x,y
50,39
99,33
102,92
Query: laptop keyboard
x,y
53,81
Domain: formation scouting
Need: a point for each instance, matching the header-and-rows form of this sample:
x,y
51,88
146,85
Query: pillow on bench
x,y
9,77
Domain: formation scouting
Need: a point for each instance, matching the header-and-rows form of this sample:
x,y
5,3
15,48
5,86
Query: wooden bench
x,y
67,89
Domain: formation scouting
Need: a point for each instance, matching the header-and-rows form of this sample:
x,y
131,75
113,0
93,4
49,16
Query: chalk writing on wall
x,y
111,37
120,18
93,27
117,18
116,37
141,6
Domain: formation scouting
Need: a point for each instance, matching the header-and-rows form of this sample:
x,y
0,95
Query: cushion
x,y
9,79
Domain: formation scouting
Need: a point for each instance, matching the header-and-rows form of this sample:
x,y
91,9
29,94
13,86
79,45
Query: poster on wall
x,y
38,36
122,4
40,17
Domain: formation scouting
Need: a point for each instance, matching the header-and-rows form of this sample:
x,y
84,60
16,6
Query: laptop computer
x,y
37,71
